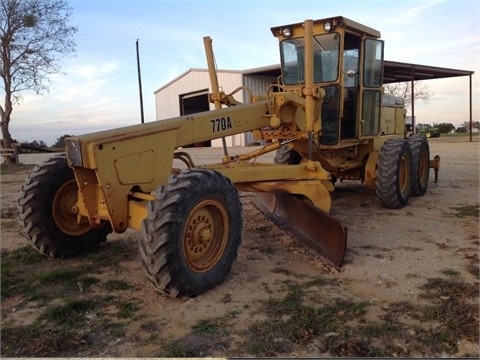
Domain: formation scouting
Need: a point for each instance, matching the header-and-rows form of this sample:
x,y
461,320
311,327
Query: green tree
x,y
445,128
34,35
36,144
60,143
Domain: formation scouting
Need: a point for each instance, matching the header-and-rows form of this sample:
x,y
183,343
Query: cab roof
x,y
336,20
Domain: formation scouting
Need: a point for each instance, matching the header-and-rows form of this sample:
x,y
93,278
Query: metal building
x,y
188,94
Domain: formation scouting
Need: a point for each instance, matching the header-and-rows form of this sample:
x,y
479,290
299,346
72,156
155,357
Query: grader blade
x,y
311,225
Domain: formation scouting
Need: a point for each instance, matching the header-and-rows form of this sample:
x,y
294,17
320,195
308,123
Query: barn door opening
x,y
192,103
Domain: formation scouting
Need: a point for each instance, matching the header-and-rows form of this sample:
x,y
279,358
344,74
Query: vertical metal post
x,y
471,124
140,84
412,90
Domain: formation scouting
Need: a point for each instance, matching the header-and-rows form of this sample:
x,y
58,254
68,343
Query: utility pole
x,y
140,85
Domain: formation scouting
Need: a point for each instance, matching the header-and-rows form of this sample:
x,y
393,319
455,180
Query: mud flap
x,y
311,225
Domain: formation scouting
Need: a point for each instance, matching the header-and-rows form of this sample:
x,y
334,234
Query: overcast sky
x,y
99,87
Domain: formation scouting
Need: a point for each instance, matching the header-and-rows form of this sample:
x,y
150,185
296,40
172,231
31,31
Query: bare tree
x,y
475,125
34,36
404,90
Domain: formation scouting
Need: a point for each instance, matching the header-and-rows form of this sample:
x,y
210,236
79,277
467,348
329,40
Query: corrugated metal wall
x,y
258,85
167,98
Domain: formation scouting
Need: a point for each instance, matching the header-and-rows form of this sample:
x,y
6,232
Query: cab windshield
x,y
325,59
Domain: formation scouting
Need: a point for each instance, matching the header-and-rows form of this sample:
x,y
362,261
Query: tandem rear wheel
x,y
393,173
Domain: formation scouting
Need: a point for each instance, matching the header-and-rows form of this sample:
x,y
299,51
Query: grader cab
x,y
326,118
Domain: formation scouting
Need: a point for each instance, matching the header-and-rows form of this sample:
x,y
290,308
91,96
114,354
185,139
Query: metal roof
x,y
393,72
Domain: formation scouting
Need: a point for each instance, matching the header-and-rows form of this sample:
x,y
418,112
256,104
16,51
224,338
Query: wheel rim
x,y
423,166
404,174
65,210
206,235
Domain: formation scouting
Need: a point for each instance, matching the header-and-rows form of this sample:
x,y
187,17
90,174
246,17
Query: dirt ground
x,y
391,256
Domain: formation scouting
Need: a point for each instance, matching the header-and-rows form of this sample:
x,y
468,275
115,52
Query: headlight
x,y
74,152
287,32
327,26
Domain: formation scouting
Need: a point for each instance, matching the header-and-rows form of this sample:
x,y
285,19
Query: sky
x,y
98,88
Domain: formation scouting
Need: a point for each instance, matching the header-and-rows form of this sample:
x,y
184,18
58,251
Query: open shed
x,y
397,72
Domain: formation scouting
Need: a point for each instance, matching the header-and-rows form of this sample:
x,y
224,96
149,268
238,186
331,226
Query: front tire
x,y
393,174
46,216
192,233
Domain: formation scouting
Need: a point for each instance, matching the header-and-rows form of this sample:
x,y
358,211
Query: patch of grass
x,y
211,327
127,309
117,329
346,344
319,282
113,285
207,337
8,213
14,265
473,268
85,281
24,255
72,311
110,255
341,328
234,313
454,313
263,248
458,317
437,340
70,319
438,287
176,349
37,341
25,272
280,270
150,326
267,288
467,210
410,248
9,224
382,329
364,204
58,276
450,272
292,321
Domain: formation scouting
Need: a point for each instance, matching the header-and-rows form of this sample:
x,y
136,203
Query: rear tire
x,y
287,156
393,174
192,233
45,212
420,165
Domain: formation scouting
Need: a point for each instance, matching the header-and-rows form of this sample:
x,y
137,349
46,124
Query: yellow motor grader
x,y
326,118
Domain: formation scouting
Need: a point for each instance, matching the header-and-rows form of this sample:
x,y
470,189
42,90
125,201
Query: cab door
x,y
371,86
